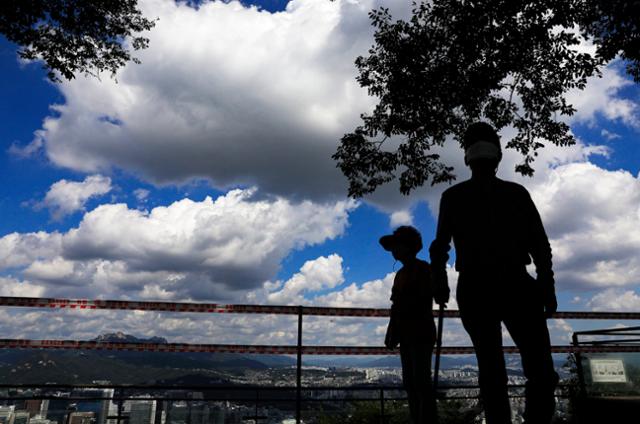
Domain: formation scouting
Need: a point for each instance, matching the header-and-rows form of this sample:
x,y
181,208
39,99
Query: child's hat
x,y
405,235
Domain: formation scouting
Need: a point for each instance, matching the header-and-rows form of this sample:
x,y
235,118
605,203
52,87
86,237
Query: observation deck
x,y
204,403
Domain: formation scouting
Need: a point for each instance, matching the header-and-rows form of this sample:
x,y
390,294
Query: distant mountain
x,y
77,367
120,337
191,380
445,362
192,360
274,361
389,361
62,366
393,361
69,366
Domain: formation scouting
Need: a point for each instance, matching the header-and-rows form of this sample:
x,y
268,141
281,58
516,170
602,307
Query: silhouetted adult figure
x,y
496,230
411,323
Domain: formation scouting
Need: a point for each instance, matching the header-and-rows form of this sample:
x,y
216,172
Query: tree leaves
x,y
75,36
508,62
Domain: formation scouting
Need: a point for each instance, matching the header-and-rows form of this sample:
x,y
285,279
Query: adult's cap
x,y
405,235
481,141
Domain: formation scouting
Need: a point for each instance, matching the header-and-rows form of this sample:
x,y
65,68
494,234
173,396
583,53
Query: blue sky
x,y
205,174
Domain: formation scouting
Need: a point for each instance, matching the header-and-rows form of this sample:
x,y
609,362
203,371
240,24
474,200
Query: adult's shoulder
x,y
457,189
512,187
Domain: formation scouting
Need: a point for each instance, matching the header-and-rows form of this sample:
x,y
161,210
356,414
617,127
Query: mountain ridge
x,y
120,337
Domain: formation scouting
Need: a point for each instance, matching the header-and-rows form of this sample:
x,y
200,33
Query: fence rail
x,y
274,349
40,302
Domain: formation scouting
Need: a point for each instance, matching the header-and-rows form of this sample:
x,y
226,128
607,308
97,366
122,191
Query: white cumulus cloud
x,y
615,299
592,217
321,273
226,92
399,218
141,194
16,288
19,250
66,197
244,97
188,249
602,99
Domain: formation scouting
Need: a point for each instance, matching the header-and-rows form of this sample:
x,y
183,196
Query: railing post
x,y
580,371
299,367
120,407
257,399
159,409
382,417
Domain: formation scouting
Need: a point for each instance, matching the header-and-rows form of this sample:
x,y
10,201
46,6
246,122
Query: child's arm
x,y
391,337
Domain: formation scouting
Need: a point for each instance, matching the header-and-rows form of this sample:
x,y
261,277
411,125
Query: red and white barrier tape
x,y
36,302
268,349
143,347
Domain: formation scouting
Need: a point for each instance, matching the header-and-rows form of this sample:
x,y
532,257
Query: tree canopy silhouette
x,y
73,36
509,62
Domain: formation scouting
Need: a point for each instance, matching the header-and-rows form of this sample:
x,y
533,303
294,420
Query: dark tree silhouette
x,y
615,27
73,36
509,62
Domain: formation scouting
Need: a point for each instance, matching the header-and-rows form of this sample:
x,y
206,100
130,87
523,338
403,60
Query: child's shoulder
x,y
424,265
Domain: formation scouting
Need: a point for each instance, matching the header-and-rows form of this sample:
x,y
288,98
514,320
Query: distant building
x,y
21,417
99,407
217,415
58,409
161,412
44,407
177,413
105,406
6,414
82,418
199,413
33,406
141,411
36,420
112,411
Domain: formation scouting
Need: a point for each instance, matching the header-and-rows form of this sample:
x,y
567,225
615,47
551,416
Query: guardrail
x,y
254,395
298,349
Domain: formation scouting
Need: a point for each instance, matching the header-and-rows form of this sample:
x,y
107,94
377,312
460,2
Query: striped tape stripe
x,y
84,304
269,349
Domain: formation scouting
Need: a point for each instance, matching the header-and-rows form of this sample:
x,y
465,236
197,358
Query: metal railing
x,y
299,349
255,395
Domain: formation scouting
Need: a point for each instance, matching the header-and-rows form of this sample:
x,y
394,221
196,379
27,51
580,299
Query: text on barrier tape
x,y
84,304
270,349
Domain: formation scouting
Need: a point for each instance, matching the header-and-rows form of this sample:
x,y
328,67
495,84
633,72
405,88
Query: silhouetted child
x,y
411,324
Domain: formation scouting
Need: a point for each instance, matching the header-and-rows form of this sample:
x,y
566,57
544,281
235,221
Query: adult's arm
x,y
538,242
439,251
540,251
